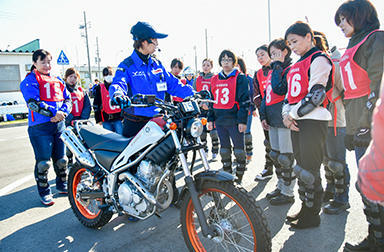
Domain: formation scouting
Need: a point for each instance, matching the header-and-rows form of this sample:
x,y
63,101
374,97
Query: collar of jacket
x,y
356,38
206,76
224,76
71,88
138,61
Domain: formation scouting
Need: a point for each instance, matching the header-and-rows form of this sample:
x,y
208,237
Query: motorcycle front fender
x,y
200,178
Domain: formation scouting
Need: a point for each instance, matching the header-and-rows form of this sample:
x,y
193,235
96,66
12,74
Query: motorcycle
x,y
136,177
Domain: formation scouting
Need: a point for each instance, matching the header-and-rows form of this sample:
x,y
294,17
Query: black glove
x,y
121,100
348,142
363,137
204,94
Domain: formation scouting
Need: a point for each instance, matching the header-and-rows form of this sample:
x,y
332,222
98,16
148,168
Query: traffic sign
x,y
62,59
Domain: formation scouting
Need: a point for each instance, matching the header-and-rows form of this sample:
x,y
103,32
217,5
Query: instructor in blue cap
x,y
141,73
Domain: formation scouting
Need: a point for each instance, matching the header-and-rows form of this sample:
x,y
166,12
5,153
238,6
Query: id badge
x,y
161,86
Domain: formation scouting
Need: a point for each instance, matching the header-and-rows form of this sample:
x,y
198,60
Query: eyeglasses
x,y
229,60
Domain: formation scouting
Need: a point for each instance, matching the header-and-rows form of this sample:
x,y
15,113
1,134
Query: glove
x,y
204,94
348,142
362,137
122,101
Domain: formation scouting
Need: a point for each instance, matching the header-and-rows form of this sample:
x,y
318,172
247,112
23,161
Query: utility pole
x,y
85,27
206,44
98,57
269,19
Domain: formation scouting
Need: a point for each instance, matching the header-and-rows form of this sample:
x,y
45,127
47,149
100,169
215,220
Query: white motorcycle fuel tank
x,y
149,134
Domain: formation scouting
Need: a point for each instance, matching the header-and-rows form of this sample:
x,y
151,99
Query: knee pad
x,y
248,142
214,135
240,159
336,167
61,163
304,175
43,166
286,160
42,173
274,155
226,157
329,175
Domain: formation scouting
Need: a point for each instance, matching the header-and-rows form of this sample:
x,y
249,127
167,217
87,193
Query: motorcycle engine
x,y
149,174
131,200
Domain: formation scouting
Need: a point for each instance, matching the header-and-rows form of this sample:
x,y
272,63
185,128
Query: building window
x,y
9,78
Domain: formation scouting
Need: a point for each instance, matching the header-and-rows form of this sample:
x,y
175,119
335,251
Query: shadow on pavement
x,y
63,232
329,236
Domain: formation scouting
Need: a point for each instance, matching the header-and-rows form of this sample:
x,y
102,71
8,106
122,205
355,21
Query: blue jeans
x,y
115,126
359,153
228,133
47,145
249,124
336,151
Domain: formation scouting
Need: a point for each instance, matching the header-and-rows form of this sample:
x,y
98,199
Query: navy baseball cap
x,y
143,30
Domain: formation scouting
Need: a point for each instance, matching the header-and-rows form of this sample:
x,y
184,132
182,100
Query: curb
x,y
13,125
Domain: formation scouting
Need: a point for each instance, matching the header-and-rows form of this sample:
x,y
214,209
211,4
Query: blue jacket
x,y
133,76
30,90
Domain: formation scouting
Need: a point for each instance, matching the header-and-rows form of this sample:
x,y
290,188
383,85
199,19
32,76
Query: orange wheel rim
x,y
191,229
83,210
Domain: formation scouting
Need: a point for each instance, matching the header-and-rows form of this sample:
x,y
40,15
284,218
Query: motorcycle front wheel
x,y
87,211
238,222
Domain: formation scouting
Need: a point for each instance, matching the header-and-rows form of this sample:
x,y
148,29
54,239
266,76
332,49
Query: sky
x,y
240,26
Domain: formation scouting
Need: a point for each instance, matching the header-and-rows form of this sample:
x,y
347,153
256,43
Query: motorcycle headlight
x,y
195,127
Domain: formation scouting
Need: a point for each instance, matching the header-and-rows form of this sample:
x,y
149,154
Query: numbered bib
x,y
224,92
51,88
106,101
77,97
202,84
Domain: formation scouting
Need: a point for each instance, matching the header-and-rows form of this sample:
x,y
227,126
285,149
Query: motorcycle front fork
x,y
190,183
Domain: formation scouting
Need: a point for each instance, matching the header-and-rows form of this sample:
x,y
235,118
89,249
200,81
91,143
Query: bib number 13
x,y
224,99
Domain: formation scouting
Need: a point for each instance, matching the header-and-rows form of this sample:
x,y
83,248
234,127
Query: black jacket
x,y
369,57
279,84
98,105
233,116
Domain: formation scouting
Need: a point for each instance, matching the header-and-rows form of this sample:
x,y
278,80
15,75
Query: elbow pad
x,y
313,99
34,106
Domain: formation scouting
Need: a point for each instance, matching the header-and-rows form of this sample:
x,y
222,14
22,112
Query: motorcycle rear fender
x,y
200,178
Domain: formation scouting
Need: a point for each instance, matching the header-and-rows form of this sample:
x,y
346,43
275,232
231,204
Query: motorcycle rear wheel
x,y
233,213
86,211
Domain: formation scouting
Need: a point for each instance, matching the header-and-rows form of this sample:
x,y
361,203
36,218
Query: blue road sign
x,y
62,59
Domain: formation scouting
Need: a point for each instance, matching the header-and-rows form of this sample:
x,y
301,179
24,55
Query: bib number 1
x,y
351,82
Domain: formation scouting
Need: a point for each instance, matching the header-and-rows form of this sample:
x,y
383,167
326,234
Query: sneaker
x,y
249,158
214,157
282,200
334,207
63,188
264,175
273,194
47,200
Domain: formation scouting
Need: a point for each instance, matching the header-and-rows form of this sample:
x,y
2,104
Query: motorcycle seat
x,y
97,138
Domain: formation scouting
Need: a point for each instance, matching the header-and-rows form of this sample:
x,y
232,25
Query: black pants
x,y
309,145
131,128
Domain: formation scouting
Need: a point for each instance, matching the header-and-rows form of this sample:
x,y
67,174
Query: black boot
x,y
364,245
297,215
226,159
307,219
241,164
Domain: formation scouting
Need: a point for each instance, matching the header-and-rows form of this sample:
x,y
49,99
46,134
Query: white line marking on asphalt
x,y
15,184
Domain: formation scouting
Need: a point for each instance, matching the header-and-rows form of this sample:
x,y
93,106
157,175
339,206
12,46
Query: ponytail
x,y
320,41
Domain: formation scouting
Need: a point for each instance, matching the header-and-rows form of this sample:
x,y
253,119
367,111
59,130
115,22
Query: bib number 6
x,y
295,85
225,96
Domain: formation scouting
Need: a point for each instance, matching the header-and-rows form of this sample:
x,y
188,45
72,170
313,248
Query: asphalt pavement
x,y
25,224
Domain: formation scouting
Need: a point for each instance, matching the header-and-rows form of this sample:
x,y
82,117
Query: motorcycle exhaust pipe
x,y
77,148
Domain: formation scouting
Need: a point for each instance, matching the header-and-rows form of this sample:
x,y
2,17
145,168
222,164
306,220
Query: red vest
x,y
262,80
355,79
77,97
298,81
224,91
270,97
106,101
51,88
203,84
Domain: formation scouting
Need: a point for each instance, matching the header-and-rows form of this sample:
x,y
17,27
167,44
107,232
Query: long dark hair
x,y
302,29
361,14
241,64
39,54
281,45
